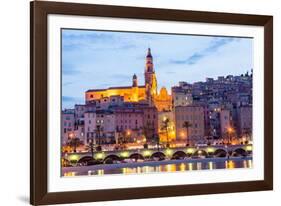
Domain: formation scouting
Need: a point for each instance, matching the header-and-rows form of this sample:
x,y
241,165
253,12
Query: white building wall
x,y
90,125
67,126
181,99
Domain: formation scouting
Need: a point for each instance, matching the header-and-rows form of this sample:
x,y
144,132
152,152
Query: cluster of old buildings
x,y
214,109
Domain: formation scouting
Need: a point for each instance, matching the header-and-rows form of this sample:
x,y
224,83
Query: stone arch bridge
x,y
161,153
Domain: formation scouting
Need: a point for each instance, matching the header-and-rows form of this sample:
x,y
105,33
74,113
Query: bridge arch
x,y
200,152
179,155
111,158
136,156
239,152
85,160
220,153
159,155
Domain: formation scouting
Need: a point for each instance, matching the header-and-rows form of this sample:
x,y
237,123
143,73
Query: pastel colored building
x,y
79,110
129,93
79,131
166,133
106,103
67,123
129,122
150,123
195,116
163,101
245,122
225,122
181,96
90,125
100,127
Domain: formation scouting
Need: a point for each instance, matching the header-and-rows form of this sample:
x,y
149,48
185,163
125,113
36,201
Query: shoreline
x,y
148,163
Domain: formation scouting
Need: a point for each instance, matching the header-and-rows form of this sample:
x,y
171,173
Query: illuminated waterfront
x,y
163,166
150,122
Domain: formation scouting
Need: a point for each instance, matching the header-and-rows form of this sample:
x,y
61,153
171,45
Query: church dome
x,y
163,92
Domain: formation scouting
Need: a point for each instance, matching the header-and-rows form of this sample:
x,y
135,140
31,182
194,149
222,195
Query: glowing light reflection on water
x,y
181,166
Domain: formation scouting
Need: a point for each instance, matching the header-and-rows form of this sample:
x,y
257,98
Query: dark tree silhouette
x,y
91,147
74,143
165,127
187,125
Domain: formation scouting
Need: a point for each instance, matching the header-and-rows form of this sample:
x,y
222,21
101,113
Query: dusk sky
x,y
97,59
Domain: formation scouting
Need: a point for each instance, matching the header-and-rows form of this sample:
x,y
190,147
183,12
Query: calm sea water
x,y
158,167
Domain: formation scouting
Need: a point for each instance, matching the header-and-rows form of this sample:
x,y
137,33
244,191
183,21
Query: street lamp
x,y
230,130
70,135
182,134
244,139
128,134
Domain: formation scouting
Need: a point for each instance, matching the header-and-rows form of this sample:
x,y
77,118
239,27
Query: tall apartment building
x,y
195,116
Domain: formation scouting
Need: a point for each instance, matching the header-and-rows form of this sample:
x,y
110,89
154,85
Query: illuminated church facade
x,y
147,93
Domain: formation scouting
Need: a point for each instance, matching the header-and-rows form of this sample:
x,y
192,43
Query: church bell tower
x,y
150,78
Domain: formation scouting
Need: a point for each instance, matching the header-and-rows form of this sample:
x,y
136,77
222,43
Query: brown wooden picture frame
x,y
38,102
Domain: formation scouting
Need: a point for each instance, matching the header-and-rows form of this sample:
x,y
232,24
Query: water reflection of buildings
x,y
176,167
136,113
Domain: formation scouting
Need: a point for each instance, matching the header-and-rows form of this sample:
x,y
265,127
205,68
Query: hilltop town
x,y
215,111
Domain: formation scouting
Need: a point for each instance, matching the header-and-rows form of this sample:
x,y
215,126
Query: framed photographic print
x,y
131,102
